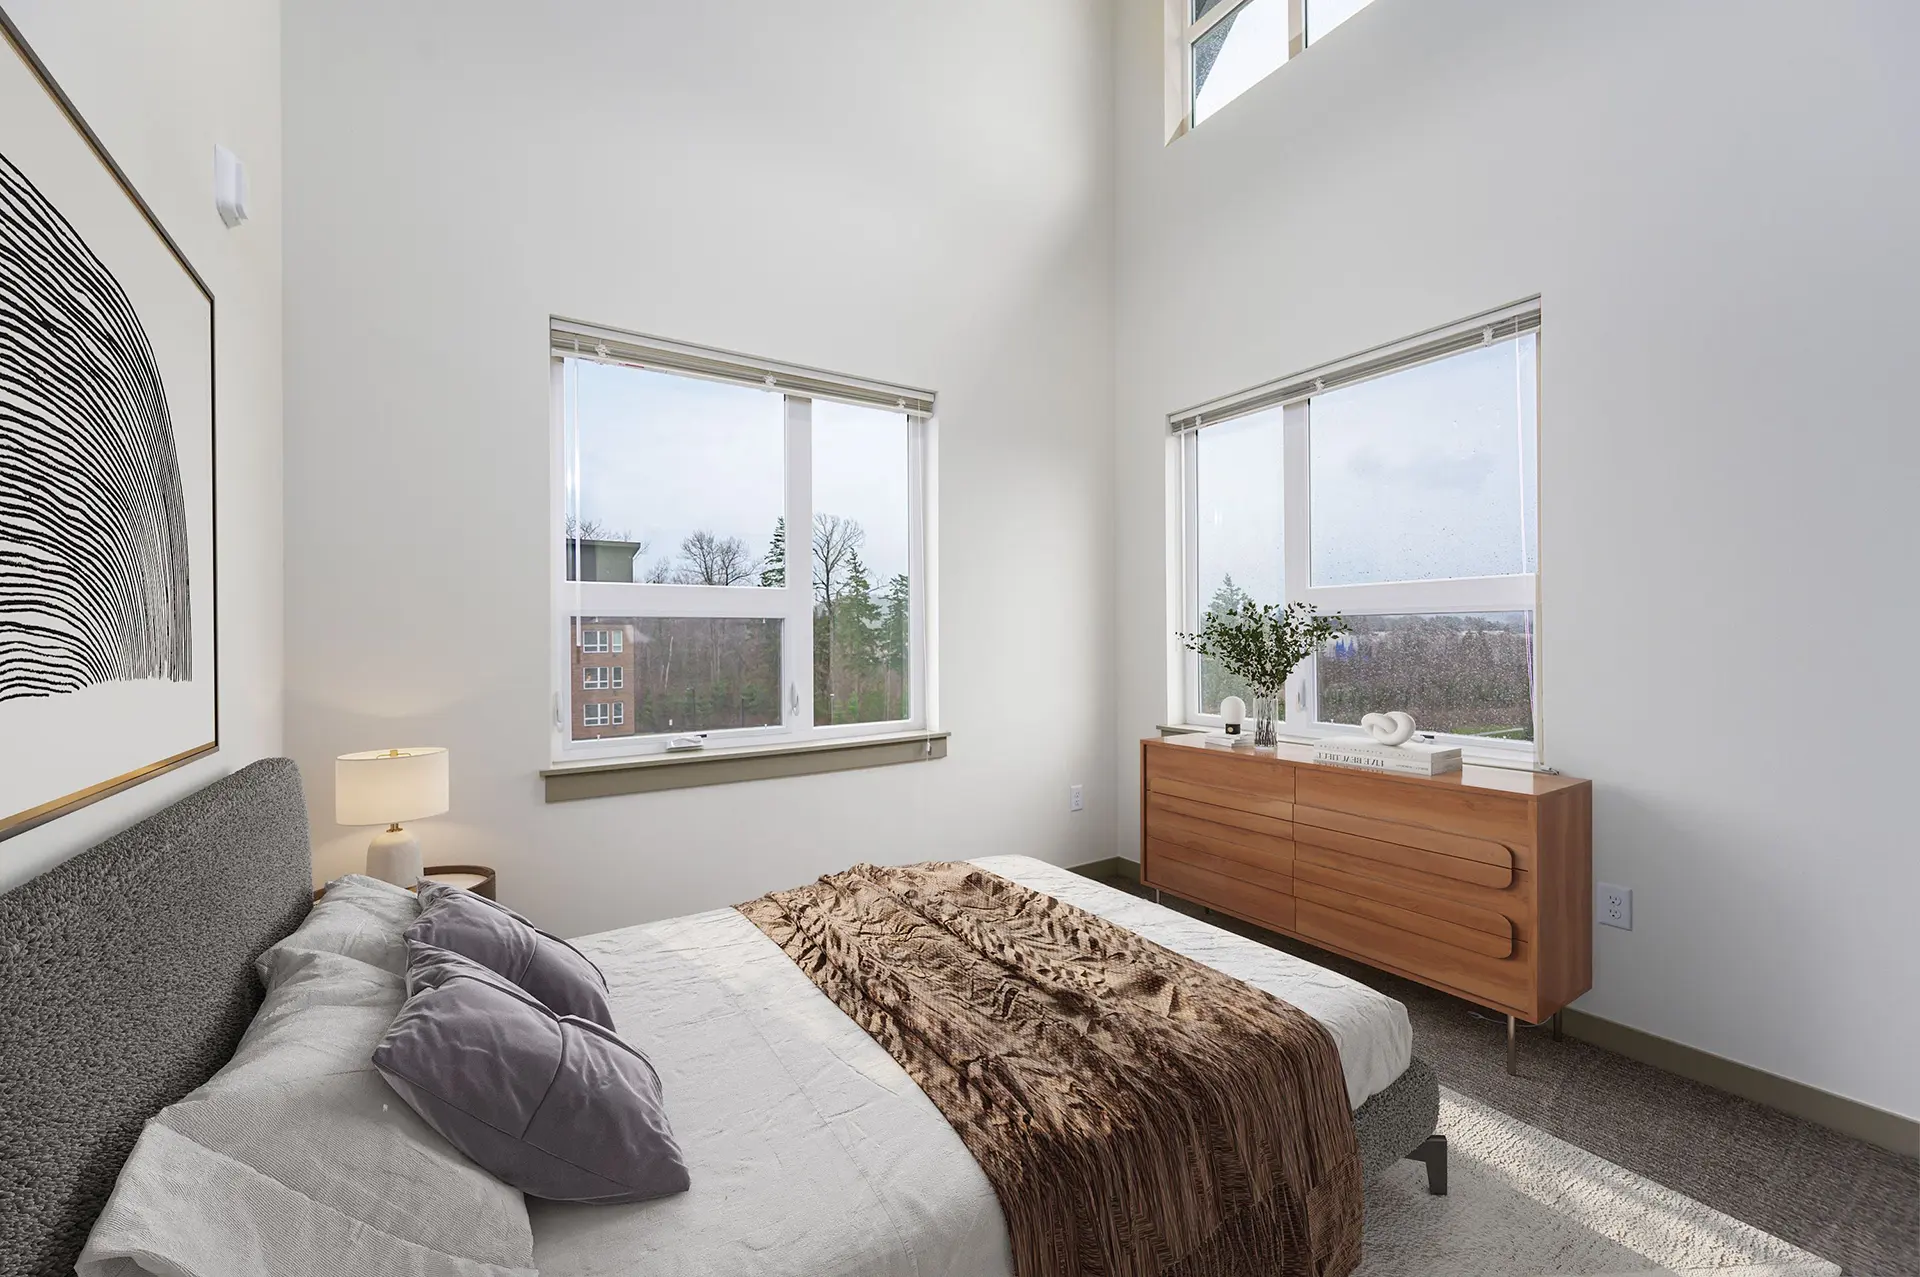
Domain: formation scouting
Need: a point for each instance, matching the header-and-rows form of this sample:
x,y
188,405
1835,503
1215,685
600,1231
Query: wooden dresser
x,y
1479,882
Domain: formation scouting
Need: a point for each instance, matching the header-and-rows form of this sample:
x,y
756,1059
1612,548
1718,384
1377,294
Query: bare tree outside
x,y
706,559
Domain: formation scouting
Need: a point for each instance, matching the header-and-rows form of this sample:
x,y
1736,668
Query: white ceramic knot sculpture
x,y
1394,728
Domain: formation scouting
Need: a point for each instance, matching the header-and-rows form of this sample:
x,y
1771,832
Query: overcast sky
x,y
662,456
1419,475
1425,474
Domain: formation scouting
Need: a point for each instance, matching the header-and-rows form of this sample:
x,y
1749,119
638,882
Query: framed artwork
x,y
108,668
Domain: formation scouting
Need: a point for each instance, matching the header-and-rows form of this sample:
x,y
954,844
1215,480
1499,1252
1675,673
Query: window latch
x,y
793,697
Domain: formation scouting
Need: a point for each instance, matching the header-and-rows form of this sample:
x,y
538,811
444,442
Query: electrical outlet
x,y
1076,801
1613,906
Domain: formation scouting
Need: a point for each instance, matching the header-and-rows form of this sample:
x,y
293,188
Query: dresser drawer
x,y
1182,829
1232,895
1463,926
1503,982
1461,902
1273,879
1222,780
1231,817
1478,861
1474,813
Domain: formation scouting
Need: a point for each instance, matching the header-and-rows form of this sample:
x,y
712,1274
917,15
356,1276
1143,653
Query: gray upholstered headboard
x,y
126,979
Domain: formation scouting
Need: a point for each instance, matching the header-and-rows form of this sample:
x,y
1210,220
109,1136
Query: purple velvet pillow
x,y
505,943
555,1106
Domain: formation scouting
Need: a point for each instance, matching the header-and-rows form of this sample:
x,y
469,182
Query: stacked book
x,y
1220,740
1415,758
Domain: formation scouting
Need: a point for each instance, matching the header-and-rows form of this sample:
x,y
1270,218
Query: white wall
x,y
1717,203
910,192
161,84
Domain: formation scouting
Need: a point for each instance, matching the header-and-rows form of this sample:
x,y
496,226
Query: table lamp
x,y
385,787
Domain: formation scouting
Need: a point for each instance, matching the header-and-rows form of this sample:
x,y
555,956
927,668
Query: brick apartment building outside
x,y
602,664
603,683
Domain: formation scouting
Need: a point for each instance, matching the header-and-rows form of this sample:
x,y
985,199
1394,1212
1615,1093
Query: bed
x,y
129,981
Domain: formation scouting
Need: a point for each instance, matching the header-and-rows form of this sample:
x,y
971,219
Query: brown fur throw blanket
x,y
1139,1114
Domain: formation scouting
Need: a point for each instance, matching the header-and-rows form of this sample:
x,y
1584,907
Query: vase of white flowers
x,y
1261,645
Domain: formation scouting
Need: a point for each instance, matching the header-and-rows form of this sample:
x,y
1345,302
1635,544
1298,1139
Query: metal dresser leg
x,y
1434,1153
1513,1049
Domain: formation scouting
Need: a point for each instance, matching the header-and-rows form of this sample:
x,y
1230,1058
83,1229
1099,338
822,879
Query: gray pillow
x,y
555,1106
505,943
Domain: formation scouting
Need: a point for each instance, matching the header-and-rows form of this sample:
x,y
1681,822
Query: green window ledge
x,y
655,772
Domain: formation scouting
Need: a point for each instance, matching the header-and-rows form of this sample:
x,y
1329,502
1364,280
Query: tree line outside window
x,y
1466,674
707,674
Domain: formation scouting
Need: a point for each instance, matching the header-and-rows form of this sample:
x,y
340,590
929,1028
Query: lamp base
x,y
394,856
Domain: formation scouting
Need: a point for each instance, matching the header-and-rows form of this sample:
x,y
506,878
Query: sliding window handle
x,y
793,697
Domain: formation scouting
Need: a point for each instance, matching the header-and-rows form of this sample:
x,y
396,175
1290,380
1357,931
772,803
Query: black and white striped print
x,y
93,525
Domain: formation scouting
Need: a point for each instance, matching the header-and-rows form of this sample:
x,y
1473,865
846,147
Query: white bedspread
x,y
812,1152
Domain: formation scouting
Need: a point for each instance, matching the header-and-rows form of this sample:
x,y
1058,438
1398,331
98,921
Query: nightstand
x,y
475,878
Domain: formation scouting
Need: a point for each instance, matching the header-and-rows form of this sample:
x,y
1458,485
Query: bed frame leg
x,y
1434,1153
1513,1049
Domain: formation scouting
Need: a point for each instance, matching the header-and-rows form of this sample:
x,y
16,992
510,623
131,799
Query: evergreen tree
x,y
896,635
1228,598
1215,683
773,568
856,639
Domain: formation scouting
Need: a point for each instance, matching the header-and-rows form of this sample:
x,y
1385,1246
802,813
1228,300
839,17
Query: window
x,y
1222,48
596,715
1400,489
680,474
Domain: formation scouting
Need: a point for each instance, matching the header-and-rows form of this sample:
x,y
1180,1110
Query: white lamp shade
x,y
387,786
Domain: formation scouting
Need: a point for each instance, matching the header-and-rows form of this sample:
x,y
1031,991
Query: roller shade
x,y
573,340
1482,330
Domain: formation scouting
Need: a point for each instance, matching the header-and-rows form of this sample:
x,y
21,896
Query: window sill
x,y
574,781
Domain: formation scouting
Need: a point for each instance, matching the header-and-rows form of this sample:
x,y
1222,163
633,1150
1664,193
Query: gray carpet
x,y
1838,1197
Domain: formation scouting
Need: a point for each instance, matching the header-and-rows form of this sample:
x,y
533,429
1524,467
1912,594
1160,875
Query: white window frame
x,y
594,642
791,604
1182,35
604,718
596,678
1519,592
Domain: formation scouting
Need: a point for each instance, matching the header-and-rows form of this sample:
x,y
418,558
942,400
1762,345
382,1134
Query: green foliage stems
x,y
1261,644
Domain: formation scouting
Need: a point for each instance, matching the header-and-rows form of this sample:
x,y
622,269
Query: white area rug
x,y
1521,1203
